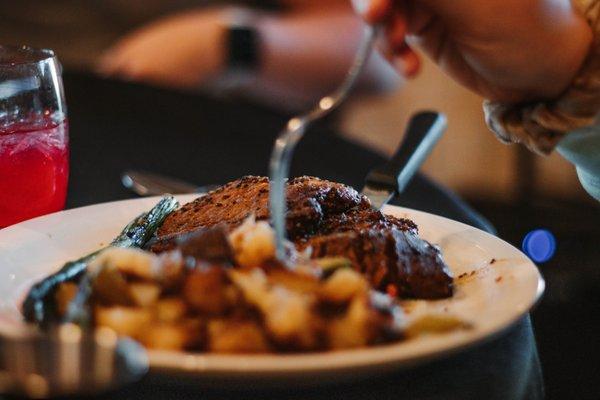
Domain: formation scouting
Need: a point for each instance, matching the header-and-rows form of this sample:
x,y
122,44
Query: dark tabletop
x,y
117,126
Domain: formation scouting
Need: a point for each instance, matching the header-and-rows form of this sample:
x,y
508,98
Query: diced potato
x,y
227,336
287,315
253,284
205,291
65,293
355,329
131,261
253,243
164,337
144,294
111,288
289,319
127,321
343,285
169,310
171,269
291,280
180,336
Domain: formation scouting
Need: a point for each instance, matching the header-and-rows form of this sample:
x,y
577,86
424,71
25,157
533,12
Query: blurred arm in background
x,y
304,52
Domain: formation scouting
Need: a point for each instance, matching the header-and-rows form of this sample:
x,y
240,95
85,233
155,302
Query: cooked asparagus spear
x,y
39,305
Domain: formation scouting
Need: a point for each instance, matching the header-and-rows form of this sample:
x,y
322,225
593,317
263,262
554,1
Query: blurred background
x,y
86,34
308,45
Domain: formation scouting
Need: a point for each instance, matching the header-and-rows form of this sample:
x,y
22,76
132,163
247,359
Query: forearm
x,y
302,52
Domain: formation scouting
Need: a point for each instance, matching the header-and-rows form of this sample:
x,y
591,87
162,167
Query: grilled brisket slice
x,y
334,220
390,258
309,201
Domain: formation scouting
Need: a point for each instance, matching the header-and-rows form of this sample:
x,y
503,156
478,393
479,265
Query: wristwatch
x,y
242,52
242,48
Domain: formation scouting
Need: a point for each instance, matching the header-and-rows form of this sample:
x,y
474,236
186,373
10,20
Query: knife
x,y
391,178
151,184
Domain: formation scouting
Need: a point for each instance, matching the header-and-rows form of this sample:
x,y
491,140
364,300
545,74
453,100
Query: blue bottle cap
x,y
539,245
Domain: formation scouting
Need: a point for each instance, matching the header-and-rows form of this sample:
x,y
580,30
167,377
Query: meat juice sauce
x,y
34,168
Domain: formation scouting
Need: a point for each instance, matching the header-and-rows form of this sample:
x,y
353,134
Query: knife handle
x,y
423,132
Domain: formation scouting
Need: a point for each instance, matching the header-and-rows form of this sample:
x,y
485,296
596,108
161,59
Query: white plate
x,y
492,298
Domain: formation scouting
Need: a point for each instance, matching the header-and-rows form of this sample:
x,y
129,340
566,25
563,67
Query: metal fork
x,y
287,140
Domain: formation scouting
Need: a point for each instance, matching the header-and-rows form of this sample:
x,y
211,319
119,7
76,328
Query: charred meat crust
x,y
332,218
309,201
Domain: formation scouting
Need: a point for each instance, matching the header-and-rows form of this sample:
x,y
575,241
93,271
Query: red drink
x,y
34,169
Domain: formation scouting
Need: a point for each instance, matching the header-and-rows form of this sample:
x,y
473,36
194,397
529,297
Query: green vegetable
x,y
435,324
39,305
330,264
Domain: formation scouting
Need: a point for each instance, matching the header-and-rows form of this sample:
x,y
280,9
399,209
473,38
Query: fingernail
x,y
406,66
361,6
400,65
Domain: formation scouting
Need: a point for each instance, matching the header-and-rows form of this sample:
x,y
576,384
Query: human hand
x,y
181,51
505,50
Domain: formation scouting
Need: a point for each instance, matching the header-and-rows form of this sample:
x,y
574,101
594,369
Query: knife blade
x,y
391,178
151,184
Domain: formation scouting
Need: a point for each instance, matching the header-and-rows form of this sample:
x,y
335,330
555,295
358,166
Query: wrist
x,y
216,64
207,56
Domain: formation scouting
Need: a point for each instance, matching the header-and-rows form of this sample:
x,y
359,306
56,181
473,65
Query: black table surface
x,y
117,126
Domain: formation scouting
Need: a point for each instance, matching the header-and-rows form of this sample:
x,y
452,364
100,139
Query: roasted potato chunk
x,y
303,283
144,294
169,310
343,286
287,315
127,321
183,335
233,336
355,329
206,291
111,288
253,243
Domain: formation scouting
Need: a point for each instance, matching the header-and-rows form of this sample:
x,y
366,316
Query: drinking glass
x,y
34,134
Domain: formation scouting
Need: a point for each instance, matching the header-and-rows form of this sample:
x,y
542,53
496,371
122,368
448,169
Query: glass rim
x,y
9,55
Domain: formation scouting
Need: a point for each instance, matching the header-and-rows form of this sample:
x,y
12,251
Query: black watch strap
x,y
243,48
